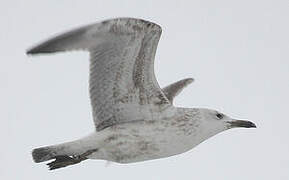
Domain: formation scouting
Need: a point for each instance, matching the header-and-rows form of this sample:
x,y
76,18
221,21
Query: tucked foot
x,y
63,161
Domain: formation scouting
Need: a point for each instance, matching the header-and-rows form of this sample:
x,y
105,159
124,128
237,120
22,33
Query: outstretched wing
x,y
172,90
122,83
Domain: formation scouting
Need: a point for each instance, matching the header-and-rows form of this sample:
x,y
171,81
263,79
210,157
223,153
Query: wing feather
x,y
122,83
172,90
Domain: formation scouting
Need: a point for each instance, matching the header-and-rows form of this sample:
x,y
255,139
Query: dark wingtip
x,y
36,50
30,52
39,50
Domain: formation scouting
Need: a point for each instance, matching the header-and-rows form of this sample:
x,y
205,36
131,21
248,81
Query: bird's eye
x,y
219,116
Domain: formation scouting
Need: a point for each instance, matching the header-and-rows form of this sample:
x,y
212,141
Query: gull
x,y
135,120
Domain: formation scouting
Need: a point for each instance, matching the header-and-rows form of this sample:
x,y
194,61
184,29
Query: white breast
x,y
145,140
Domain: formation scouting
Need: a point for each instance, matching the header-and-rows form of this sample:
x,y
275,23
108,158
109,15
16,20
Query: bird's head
x,y
213,122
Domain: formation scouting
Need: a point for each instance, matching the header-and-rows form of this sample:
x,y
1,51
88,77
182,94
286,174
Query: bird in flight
x,y
135,120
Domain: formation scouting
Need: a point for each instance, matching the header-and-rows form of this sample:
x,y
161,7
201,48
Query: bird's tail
x,y
43,154
72,148
51,152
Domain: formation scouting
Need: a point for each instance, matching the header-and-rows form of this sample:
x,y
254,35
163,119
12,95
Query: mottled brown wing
x,y
122,83
172,90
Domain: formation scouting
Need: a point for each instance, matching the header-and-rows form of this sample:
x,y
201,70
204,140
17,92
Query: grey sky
x,y
237,51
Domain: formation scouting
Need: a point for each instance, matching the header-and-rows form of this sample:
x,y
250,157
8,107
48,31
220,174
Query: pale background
x,y
236,50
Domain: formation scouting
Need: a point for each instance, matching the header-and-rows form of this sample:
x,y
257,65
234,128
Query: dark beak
x,y
241,123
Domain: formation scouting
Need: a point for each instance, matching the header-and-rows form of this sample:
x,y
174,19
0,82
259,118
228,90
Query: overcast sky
x,y
237,52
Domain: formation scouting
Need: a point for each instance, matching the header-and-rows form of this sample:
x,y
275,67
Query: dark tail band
x,y
42,154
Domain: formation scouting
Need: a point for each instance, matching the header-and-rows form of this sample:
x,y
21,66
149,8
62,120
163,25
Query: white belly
x,y
139,141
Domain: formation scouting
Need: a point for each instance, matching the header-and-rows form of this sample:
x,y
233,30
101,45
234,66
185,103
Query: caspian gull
x,y
135,119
